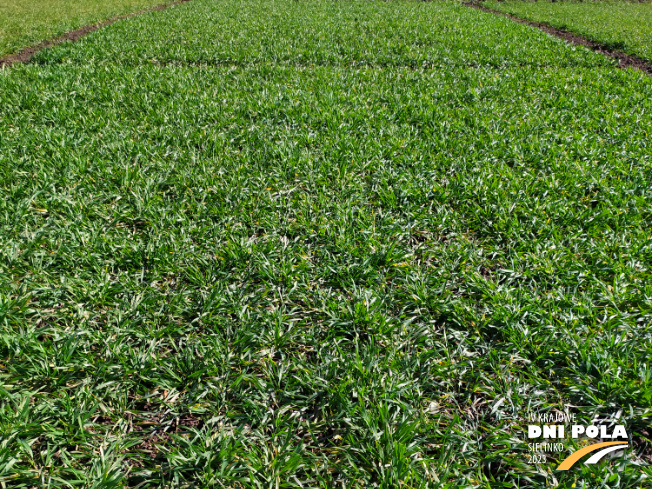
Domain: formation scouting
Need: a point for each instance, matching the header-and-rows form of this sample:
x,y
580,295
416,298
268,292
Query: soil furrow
x,y
25,54
624,60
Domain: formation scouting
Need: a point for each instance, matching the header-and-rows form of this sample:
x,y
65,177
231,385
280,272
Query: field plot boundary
x,y
624,60
26,54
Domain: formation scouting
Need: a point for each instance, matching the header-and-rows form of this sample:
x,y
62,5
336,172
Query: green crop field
x,y
25,22
621,25
279,244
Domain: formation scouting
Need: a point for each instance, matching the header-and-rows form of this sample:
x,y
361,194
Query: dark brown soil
x,y
26,54
624,60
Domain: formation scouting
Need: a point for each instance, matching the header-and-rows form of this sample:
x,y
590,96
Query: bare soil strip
x,y
624,60
25,54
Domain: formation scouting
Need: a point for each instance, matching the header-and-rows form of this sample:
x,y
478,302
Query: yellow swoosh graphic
x,y
574,457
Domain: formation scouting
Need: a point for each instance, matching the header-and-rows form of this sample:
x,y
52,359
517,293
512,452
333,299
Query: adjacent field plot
x,y
625,26
23,23
293,244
